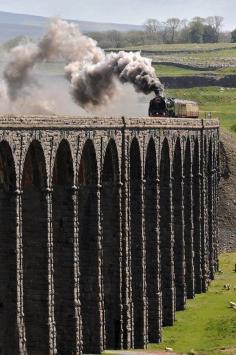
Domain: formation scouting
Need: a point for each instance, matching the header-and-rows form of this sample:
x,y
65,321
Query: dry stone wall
x,y
107,227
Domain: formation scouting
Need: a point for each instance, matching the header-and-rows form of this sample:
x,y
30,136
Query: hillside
x,y
227,192
14,25
10,31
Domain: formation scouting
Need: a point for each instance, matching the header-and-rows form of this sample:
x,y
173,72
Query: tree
x,y
209,34
225,37
115,37
216,22
199,19
196,31
173,25
152,26
233,36
183,33
153,31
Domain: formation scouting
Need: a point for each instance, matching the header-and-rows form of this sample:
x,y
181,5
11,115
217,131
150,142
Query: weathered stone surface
x,y
107,226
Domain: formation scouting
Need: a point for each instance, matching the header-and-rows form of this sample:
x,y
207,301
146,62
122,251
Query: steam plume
x,y
96,84
17,73
94,77
62,41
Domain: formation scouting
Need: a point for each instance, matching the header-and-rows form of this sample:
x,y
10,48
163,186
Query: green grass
x,y
210,54
183,47
208,324
216,54
227,71
219,58
173,70
220,103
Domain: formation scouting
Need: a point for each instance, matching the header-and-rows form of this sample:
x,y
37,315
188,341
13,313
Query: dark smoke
x,y
95,78
97,84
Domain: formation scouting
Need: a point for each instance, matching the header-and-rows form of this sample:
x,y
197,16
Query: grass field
x,y
198,55
173,70
218,102
208,325
198,60
183,47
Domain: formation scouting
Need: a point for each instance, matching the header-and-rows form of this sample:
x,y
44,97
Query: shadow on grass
x,y
233,128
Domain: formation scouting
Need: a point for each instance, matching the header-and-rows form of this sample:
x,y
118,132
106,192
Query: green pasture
x,y
174,70
195,54
208,325
206,60
214,101
183,47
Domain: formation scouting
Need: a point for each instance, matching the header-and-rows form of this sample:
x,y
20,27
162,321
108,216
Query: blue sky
x,y
124,11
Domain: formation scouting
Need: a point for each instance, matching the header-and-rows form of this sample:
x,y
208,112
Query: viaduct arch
x,y
107,227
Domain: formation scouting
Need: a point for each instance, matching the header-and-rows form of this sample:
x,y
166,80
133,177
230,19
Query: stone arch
x,y
35,254
197,218
166,238
63,249
188,220
8,291
111,246
151,214
90,278
178,222
137,245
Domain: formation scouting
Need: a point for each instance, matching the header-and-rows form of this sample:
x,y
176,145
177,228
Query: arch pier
x,y
107,227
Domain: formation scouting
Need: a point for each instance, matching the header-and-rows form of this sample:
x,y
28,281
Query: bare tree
x,y
115,37
183,35
153,30
173,25
152,26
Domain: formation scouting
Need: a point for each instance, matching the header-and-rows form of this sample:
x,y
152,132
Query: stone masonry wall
x,y
107,227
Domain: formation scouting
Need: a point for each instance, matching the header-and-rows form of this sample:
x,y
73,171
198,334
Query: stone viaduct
x,y
107,226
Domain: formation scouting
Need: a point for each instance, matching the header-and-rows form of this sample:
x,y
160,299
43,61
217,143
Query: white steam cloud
x,y
94,77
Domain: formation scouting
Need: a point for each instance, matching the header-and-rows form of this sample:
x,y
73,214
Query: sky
x,y
125,11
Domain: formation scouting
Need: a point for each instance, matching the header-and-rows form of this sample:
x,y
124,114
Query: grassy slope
x,y
220,103
208,324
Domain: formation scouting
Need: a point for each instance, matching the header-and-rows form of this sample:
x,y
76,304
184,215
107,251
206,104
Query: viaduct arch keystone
x,y
107,227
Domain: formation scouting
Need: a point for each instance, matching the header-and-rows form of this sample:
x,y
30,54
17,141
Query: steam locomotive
x,y
172,107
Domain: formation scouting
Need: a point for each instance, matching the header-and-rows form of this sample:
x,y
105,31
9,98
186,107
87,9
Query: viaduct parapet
x,y
107,226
